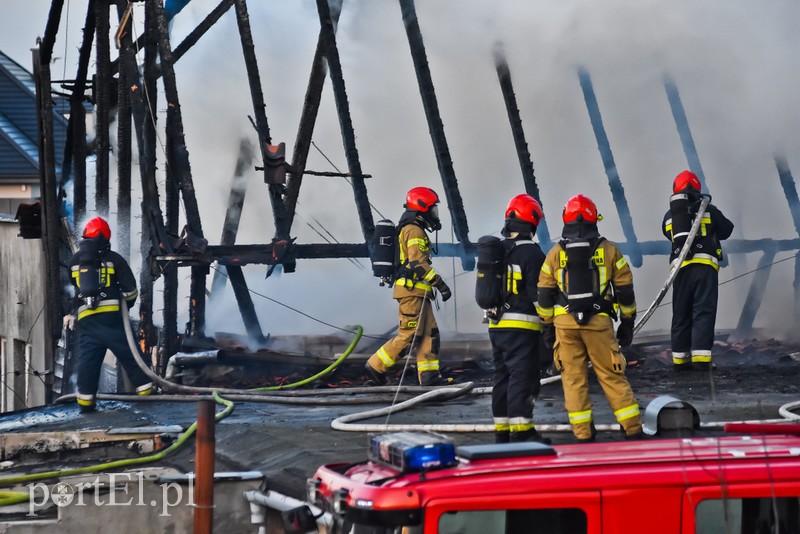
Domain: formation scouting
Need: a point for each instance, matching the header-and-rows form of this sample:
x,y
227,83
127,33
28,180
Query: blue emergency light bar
x,y
412,451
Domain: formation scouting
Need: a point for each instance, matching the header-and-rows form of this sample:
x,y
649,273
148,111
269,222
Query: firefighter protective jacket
x,y
416,276
523,263
706,248
615,285
116,279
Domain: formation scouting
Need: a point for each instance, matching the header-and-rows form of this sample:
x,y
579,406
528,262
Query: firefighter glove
x,y
549,335
443,288
625,332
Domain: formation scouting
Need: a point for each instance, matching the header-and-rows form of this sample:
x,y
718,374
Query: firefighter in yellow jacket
x,y
583,280
413,290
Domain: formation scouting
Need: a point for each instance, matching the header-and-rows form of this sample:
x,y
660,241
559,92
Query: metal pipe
x,y
282,503
523,154
204,468
436,128
345,121
614,183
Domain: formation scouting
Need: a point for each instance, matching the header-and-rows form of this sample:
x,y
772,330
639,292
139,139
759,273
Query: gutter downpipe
x,y
282,503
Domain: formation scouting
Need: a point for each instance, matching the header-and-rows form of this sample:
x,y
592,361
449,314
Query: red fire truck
x,y
420,483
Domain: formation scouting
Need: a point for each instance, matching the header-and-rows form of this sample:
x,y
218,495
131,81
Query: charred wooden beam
x,y
75,146
259,109
245,301
518,133
154,236
124,144
233,214
305,131
614,182
178,156
345,121
195,35
685,133
755,294
102,103
197,308
436,128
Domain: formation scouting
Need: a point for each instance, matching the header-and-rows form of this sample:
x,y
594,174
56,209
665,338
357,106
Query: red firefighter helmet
x,y
685,180
526,208
95,227
421,199
580,209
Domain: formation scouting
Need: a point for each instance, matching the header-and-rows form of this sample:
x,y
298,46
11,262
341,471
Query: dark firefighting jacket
x,y
706,248
524,260
116,281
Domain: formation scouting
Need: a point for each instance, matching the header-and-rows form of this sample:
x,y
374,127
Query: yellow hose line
x,y
16,497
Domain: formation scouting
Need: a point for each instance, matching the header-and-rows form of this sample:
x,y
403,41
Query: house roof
x,y
19,153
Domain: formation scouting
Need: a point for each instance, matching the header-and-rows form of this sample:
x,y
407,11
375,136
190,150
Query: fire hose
x,y
676,265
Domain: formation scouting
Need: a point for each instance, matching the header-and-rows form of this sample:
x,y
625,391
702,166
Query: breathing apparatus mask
x,y
430,218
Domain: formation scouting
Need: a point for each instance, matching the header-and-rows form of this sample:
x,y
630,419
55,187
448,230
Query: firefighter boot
x,y
501,437
528,435
590,439
430,378
376,376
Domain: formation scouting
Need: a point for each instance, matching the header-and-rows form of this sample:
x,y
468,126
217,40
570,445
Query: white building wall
x,y
22,296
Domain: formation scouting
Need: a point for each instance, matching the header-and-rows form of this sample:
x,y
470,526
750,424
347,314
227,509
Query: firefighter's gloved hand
x,y
625,332
69,322
549,335
443,288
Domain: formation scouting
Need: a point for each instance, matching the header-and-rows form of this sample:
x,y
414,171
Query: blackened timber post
x,y
197,308
436,128
518,133
75,149
51,224
790,190
153,230
305,132
345,121
178,156
259,109
102,91
755,294
170,271
124,143
614,182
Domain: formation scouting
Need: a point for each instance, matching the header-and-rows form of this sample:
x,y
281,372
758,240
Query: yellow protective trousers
x,y
574,348
417,324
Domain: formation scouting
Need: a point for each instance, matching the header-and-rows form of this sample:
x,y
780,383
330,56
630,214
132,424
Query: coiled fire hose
x,y
15,497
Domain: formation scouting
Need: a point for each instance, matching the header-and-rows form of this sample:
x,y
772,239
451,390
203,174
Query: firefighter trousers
x,y
574,348
417,326
516,380
96,334
694,313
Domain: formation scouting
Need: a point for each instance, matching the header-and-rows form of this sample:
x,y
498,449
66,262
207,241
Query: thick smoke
x,y
733,63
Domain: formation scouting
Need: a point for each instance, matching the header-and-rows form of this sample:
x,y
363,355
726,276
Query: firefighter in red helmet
x,y
515,331
583,281
101,278
413,290
694,292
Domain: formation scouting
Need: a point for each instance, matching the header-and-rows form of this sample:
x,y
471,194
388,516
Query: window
x,y
537,521
765,515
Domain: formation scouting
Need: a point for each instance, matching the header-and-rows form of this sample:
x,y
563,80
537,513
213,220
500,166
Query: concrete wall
x,y
22,294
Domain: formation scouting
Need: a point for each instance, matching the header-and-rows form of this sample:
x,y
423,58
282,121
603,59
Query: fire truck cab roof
x,y
421,483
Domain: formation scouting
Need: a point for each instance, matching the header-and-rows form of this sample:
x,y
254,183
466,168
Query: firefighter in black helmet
x,y
694,292
102,277
583,280
515,332
413,290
